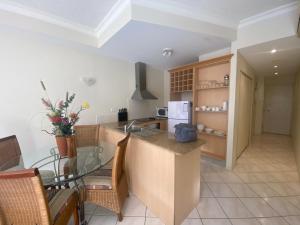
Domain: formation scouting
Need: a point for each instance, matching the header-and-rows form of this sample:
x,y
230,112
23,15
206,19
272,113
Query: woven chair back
x,y
118,168
87,135
22,199
10,152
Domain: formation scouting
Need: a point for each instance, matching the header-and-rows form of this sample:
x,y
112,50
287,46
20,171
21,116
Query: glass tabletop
x,y
56,170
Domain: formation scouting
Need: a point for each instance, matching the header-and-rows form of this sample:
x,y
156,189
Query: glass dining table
x,y
64,172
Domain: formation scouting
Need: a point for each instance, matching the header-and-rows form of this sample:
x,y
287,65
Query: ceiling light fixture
x,y
167,52
273,51
275,66
276,73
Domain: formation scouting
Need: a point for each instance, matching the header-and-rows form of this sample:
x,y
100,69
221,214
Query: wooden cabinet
x,y
208,90
181,82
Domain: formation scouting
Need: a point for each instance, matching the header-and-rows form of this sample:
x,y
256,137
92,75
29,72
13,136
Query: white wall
x,y
296,119
24,61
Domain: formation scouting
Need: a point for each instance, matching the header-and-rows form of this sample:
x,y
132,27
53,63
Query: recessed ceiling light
x,y
273,51
276,73
275,66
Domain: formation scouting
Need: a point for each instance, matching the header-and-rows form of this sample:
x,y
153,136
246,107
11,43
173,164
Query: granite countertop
x,y
162,139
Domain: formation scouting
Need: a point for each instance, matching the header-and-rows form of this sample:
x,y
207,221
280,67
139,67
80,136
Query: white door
x,y
244,112
278,109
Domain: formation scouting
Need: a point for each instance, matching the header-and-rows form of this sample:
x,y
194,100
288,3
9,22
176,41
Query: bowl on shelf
x,y
208,130
219,133
200,127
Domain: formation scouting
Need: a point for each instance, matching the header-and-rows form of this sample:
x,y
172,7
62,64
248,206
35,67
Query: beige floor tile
x,y
100,211
282,206
295,200
205,191
230,177
131,221
242,190
210,208
258,207
221,190
216,222
293,220
89,208
273,221
194,214
234,208
103,220
244,222
153,221
251,177
134,207
149,213
192,222
212,177
263,190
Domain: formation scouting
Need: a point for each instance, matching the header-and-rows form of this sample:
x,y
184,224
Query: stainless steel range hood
x,y
141,92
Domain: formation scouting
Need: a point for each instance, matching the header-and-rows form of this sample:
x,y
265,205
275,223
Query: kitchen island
x,y
162,173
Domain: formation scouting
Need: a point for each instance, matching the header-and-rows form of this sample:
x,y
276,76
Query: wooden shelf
x,y
211,88
181,80
201,111
213,135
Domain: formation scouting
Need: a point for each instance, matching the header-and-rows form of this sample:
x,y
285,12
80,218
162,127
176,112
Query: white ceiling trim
x,y
112,15
45,17
269,14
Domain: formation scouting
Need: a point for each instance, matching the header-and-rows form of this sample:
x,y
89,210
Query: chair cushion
x,y
98,182
102,173
58,201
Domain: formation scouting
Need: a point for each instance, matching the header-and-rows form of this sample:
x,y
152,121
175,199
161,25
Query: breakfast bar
x,y
162,173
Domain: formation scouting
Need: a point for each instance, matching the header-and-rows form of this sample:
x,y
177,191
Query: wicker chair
x,y
110,192
10,152
11,157
87,135
23,201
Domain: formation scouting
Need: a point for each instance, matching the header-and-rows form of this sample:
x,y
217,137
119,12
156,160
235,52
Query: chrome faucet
x,y
126,128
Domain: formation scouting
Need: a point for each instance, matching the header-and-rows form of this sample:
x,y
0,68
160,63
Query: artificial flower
x,y
85,105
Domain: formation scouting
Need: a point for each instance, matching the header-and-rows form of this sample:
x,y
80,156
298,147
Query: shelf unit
x,y
215,69
185,82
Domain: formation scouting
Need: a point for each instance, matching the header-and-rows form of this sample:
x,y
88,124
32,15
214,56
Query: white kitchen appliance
x,y
179,112
162,112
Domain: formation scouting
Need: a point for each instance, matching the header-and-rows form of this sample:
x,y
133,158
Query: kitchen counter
x,y
162,173
163,139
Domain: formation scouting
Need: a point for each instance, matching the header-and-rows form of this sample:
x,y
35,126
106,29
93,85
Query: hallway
x,y
263,188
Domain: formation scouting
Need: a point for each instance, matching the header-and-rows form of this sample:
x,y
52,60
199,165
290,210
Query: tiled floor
x,y
263,189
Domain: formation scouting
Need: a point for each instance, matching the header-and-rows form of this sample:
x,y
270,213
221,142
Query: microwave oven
x,y
162,112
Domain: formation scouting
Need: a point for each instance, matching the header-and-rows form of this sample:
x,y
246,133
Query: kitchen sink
x,y
141,131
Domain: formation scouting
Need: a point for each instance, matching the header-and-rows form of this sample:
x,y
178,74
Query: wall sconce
x,y
88,81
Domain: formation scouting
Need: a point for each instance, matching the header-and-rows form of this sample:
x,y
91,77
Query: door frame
x,y
242,73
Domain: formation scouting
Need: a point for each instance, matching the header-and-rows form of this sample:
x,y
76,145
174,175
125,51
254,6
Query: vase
x,y
71,144
62,145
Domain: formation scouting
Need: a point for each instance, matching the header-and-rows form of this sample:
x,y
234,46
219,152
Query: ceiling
x,y
139,41
231,11
287,57
143,39
84,12
91,12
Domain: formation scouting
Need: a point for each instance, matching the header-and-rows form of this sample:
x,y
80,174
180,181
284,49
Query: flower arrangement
x,y
61,119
